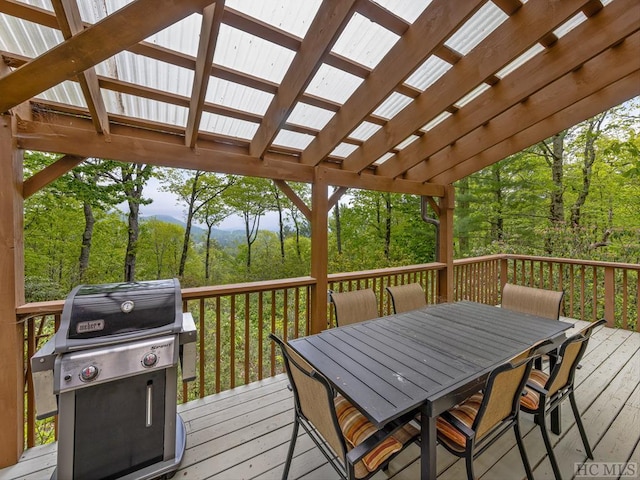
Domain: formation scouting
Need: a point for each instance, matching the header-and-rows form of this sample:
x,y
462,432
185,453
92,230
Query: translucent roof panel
x,y
183,36
364,131
392,105
428,73
383,158
295,140
333,84
247,53
521,60
230,127
292,16
310,116
472,94
364,41
407,141
408,11
148,72
570,25
137,107
96,10
67,92
343,150
26,38
239,97
476,29
439,119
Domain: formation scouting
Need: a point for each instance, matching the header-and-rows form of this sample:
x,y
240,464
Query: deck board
x,y
244,433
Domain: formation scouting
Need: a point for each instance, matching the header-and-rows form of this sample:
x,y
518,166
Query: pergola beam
x,y
295,199
569,53
134,22
322,34
595,75
608,97
71,24
211,18
424,36
49,174
516,34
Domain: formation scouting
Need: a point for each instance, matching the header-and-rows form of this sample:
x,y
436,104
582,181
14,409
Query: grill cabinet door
x,y
112,435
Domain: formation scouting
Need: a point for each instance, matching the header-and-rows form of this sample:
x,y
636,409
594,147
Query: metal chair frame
x,y
548,402
474,448
344,461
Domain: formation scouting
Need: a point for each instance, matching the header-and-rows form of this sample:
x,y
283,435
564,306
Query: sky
x,y
166,203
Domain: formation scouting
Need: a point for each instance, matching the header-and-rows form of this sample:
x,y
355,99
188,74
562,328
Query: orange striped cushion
x,y
356,429
465,412
530,398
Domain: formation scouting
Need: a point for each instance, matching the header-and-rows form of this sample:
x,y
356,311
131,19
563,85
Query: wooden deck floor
x,y
244,433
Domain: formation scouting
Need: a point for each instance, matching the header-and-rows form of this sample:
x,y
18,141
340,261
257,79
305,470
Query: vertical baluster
x,y
247,336
260,335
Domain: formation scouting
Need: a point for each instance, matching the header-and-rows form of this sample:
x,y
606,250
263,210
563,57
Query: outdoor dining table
x,y
425,360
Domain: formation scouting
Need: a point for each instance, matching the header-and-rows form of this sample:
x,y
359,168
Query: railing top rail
x,y
383,272
484,258
248,287
571,261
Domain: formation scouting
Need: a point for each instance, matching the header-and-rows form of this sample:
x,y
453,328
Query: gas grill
x,y
110,373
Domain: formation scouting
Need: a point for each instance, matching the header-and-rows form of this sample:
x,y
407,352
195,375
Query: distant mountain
x,y
199,234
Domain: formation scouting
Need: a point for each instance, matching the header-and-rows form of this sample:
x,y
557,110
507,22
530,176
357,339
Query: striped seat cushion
x,y
465,412
356,429
530,399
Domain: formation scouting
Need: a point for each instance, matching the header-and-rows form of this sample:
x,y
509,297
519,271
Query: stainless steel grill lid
x,y
101,314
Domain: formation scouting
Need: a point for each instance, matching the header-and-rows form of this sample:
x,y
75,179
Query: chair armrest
x,y
537,388
459,425
355,455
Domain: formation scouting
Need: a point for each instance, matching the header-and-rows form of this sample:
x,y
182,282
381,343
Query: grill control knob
x,y
88,373
150,359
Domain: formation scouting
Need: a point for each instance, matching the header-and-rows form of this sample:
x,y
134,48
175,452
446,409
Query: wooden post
x,y
11,295
446,276
319,253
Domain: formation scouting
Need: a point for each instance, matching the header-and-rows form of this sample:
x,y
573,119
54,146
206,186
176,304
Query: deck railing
x,y
234,321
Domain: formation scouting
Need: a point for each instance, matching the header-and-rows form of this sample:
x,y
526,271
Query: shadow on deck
x,y
244,433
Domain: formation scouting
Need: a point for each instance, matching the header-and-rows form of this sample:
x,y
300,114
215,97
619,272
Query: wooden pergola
x,y
426,97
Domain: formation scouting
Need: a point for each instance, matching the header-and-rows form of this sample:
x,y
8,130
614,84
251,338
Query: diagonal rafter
x,y
322,34
211,18
70,24
614,94
578,46
49,174
420,40
594,75
523,29
133,23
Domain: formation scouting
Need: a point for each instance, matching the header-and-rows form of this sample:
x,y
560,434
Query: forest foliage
x,y
575,195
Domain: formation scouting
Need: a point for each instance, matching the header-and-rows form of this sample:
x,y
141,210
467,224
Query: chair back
x,y
407,297
571,352
313,396
534,301
354,306
501,399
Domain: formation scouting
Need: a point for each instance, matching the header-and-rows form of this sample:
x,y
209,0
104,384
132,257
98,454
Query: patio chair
x,y
534,301
354,306
544,392
352,445
469,428
407,297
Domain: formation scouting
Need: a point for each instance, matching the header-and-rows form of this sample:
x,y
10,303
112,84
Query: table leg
x,y
428,446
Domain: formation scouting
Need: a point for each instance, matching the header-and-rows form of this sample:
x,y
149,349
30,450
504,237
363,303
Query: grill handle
x,y
149,404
